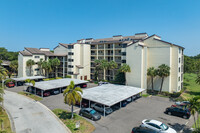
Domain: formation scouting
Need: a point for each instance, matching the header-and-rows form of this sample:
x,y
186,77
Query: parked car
x,y
129,100
84,103
102,83
90,113
182,106
157,126
55,92
182,103
83,85
100,108
45,94
142,130
10,84
185,113
117,106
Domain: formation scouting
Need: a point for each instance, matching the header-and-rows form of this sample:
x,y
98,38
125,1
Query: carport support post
x,y
35,91
42,93
104,113
120,104
89,103
60,90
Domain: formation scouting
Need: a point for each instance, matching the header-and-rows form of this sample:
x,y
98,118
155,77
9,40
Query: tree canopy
x,y
7,55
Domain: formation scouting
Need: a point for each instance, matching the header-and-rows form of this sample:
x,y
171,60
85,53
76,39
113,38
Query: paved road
x,y
30,116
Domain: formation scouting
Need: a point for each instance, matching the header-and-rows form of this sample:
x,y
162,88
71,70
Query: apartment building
x,y
139,51
37,54
113,48
78,59
152,52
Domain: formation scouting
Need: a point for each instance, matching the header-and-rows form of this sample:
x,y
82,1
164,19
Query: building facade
x,y
139,51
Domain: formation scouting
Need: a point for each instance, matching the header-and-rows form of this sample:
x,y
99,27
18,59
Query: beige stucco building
x,y
139,51
152,52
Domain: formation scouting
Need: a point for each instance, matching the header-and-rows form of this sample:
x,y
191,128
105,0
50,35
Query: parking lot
x,y
124,119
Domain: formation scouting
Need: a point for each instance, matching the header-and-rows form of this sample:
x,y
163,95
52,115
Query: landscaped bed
x,y
4,122
37,98
65,116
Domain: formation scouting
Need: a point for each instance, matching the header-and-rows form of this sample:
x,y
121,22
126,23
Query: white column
x,y
63,67
42,93
120,104
104,113
89,104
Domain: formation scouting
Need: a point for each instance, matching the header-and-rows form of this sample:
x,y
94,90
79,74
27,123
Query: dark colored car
x,y
83,85
84,103
10,84
185,113
182,106
90,113
142,130
45,94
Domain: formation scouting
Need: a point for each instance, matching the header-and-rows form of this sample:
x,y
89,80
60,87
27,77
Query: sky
x,y
45,23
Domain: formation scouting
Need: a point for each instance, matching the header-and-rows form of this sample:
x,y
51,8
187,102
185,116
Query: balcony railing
x,y
93,53
93,47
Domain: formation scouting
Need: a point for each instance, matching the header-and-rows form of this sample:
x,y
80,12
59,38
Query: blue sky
x,y
45,23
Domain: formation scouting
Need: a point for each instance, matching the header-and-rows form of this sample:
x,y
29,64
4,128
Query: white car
x,y
157,126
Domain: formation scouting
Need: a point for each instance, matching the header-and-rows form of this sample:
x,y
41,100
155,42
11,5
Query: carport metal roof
x,y
57,83
110,94
32,78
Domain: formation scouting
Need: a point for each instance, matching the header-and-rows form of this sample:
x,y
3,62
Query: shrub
x,y
68,76
175,95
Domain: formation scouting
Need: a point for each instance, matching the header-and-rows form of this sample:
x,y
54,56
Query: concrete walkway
x,y
30,116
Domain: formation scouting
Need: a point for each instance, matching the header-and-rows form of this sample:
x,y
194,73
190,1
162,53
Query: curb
x,y
67,129
12,124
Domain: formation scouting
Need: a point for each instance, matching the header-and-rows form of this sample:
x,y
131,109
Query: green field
x,y
192,88
37,98
65,116
5,122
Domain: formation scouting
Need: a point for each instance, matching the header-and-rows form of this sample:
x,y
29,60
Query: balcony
x,y
93,47
93,53
118,61
118,54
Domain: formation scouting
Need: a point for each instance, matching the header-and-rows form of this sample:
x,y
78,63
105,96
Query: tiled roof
x,y
25,53
30,51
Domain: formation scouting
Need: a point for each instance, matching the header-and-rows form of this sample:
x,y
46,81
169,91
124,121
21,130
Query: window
x,y
70,53
70,66
179,69
124,53
37,69
123,61
179,60
37,56
179,78
70,46
70,60
70,73
179,50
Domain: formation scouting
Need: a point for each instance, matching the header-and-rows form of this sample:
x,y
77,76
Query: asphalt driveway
x,y
123,120
30,116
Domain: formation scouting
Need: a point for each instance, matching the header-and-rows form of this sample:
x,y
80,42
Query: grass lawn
x,y
192,89
65,116
37,98
5,126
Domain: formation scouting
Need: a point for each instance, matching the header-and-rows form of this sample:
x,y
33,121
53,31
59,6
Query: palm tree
x,y
124,69
46,65
104,66
194,106
14,66
39,63
72,95
98,68
198,79
29,64
163,71
29,81
3,74
152,73
55,64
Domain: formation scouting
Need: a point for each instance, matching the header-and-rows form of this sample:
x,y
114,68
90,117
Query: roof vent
x,y
117,36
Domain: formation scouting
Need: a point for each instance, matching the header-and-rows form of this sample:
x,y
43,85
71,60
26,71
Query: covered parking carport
x,y
22,79
110,94
55,84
